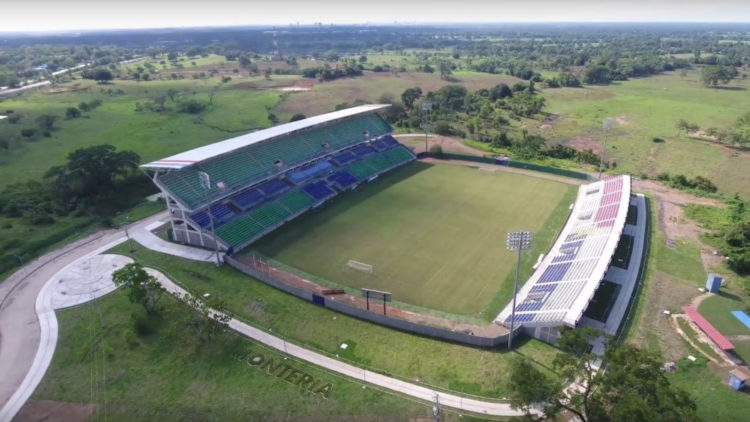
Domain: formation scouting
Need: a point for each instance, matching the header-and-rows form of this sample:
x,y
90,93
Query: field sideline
x,y
442,245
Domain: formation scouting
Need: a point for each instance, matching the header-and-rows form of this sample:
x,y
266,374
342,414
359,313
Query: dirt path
x,y
703,338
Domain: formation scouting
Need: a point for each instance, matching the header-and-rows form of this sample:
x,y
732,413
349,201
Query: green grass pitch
x,y
435,234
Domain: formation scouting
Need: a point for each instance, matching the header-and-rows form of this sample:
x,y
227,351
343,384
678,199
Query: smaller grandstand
x,y
262,180
563,285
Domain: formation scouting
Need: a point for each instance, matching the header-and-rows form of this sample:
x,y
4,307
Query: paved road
x,y
23,359
19,324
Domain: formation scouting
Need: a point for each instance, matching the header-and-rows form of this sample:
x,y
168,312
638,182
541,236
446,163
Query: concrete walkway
x,y
83,280
20,332
144,235
393,384
80,275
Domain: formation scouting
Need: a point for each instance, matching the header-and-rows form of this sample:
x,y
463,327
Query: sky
x,y
53,15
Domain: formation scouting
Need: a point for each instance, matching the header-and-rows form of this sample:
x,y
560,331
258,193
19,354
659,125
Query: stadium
x,y
332,206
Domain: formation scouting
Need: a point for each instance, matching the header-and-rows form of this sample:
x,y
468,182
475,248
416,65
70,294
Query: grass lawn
x,y
435,234
715,400
603,300
238,106
139,212
742,349
167,376
406,356
718,308
649,107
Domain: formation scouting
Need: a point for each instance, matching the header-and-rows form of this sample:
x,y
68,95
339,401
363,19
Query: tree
x,y
172,93
631,387
210,319
72,113
446,69
100,75
46,122
712,76
91,171
410,95
500,91
143,288
598,75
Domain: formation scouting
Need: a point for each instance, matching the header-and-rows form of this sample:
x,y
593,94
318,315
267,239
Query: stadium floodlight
x,y
607,124
205,181
517,241
426,109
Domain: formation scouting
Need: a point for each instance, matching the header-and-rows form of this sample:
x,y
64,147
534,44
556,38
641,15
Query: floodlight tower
x,y
517,241
606,125
205,181
426,109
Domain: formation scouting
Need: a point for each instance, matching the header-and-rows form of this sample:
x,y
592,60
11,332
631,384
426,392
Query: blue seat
x,y
247,198
273,187
318,190
343,179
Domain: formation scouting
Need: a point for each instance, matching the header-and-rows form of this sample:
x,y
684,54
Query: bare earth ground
x,y
449,144
582,143
672,220
307,285
55,411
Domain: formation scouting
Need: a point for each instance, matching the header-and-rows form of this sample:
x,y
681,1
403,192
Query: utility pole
x,y
517,241
606,125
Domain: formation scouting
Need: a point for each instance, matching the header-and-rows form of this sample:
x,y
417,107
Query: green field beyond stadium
x,y
434,234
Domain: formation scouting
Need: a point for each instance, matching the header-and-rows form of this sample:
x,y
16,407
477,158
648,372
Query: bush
x,y
28,133
436,151
443,128
72,113
298,116
191,106
657,140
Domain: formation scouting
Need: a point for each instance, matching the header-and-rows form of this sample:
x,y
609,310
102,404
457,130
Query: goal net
x,y
360,266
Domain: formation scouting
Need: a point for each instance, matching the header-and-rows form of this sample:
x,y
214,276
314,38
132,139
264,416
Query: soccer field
x,y
435,234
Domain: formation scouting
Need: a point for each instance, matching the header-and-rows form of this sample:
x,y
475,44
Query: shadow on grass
x,y
731,88
732,296
337,206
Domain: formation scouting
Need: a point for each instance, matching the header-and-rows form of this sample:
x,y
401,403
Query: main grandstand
x,y
266,178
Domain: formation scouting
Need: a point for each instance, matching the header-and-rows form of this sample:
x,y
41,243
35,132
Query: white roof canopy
x,y
199,154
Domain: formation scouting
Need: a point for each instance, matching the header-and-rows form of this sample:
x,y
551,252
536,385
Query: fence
x,y
510,163
399,324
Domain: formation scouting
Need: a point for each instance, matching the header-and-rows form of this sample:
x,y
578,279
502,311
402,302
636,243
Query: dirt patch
x,y
672,221
449,144
53,411
665,294
582,143
549,121
622,120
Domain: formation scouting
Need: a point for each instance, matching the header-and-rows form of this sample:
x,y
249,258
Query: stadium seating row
x,y
243,166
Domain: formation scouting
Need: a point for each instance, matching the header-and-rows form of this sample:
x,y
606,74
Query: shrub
x,y
443,128
72,113
436,150
28,133
191,106
297,116
657,140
